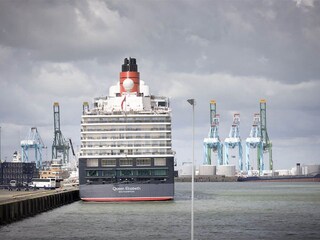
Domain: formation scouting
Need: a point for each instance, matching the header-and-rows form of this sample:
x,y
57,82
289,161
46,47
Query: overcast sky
x,y
235,52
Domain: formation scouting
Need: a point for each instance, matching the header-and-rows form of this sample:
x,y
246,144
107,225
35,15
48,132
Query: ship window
x,y
143,162
92,173
126,173
107,173
160,172
126,162
108,162
144,172
92,162
161,104
160,162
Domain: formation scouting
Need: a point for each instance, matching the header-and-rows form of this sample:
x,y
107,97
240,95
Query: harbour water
x,y
232,210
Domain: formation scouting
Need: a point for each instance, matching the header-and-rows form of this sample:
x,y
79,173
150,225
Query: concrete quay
x,y
206,178
16,205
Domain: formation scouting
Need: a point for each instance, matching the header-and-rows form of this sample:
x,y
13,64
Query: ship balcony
x,y
116,123
125,121
162,153
124,129
125,141
128,118
117,150
129,145
127,138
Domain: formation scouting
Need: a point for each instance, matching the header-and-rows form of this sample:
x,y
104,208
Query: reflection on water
x,y
222,211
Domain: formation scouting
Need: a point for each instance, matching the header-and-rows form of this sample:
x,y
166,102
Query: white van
x,y
13,183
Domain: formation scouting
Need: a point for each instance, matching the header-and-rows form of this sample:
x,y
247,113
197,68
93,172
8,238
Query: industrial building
x,y
22,172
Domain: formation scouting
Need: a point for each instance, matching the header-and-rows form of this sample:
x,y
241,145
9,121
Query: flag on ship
x,y
123,102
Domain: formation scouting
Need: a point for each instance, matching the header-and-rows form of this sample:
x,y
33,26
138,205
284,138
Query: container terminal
x,y
258,142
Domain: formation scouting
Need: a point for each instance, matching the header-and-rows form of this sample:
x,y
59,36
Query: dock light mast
x,y
33,140
266,146
233,140
60,146
212,143
192,102
254,140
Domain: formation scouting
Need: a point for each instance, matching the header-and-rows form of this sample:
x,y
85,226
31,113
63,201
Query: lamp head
x,y
191,101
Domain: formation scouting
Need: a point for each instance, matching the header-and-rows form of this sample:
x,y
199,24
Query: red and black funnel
x,y
129,71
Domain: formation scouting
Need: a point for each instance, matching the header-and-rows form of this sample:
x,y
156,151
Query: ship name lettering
x,y
133,188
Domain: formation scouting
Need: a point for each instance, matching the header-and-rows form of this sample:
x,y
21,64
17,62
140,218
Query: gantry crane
x,y
266,146
60,147
254,140
233,140
212,143
33,140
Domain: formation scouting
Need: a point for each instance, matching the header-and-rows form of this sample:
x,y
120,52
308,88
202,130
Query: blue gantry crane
x,y
212,143
254,141
34,141
233,141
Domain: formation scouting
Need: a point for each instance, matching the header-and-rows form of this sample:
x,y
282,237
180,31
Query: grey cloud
x,y
237,34
235,52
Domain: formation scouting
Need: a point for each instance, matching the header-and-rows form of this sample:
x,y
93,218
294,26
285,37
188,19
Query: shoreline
x,y
207,178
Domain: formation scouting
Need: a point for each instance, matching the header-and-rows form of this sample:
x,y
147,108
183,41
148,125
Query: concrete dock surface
x,y
7,196
15,205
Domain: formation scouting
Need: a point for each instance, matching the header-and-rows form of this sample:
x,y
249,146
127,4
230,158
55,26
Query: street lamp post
x,y
192,103
0,144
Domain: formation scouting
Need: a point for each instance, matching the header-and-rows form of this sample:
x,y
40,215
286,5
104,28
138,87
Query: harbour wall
x,y
206,178
16,209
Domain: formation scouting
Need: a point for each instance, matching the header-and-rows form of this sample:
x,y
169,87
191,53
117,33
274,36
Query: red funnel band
x,y
134,76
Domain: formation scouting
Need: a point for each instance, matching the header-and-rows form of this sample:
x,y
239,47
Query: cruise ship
x,y
126,149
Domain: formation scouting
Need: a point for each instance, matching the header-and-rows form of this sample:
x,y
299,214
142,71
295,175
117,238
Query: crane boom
x,y
71,145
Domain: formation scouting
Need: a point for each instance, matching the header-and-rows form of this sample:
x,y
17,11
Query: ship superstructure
x,y
126,150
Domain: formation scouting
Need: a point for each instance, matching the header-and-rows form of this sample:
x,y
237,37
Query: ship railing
x,y
125,129
128,119
168,152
